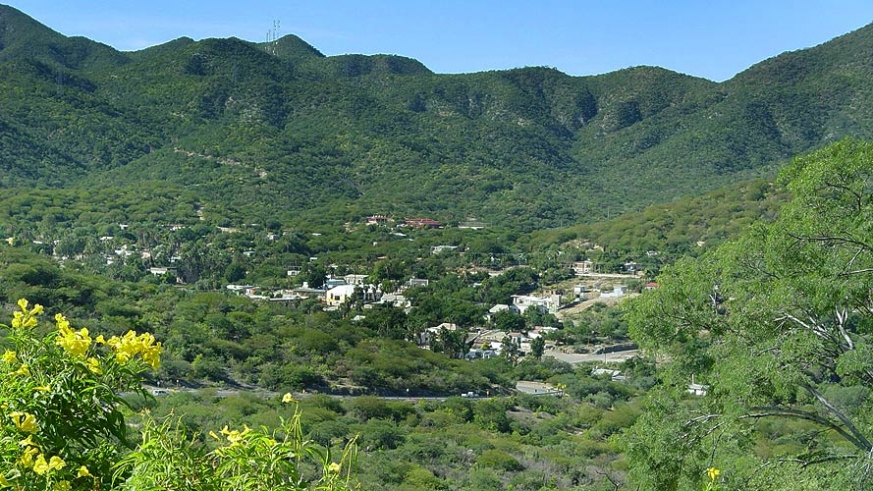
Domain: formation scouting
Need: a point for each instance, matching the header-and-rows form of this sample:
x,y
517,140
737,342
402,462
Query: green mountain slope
x,y
280,129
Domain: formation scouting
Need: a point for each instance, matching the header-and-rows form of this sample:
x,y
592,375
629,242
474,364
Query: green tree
x,y
537,347
777,325
234,272
313,274
508,321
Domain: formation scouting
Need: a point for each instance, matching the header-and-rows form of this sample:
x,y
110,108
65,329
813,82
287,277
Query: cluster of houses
x,y
335,292
417,222
482,343
487,343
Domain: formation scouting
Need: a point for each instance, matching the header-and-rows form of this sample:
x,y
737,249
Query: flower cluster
x,y
131,344
233,436
25,422
712,473
45,376
33,458
76,343
26,318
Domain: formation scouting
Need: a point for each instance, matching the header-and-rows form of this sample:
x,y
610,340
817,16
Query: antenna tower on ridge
x,y
273,38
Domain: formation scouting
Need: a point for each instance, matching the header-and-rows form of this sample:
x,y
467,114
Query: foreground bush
x,y
62,425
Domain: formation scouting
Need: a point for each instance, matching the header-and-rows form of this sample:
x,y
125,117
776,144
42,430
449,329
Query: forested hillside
x,y
280,128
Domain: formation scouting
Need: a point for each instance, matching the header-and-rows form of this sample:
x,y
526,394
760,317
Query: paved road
x,y
537,388
574,358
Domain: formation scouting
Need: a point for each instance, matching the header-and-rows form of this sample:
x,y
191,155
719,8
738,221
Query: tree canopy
x,y
776,328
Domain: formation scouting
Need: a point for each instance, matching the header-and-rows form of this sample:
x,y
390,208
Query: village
x,y
341,288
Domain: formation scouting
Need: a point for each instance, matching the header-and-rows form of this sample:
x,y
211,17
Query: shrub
x,y
62,425
498,459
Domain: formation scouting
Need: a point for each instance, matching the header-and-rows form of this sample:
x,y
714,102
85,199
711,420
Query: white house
x,y
335,296
617,292
355,279
431,333
697,389
339,294
549,304
583,267
440,248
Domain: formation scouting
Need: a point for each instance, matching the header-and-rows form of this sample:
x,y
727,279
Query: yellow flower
x,y
21,320
37,309
287,398
93,364
132,344
43,388
24,421
61,322
152,356
235,436
334,467
26,459
23,370
75,343
56,462
713,473
26,318
9,357
28,442
83,472
40,466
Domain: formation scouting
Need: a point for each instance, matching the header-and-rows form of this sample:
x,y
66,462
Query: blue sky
x,y
714,39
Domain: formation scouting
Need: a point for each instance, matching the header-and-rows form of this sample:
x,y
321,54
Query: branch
x,y
806,463
842,316
834,338
812,326
857,271
852,261
770,411
609,477
842,240
700,419
859,198
867,447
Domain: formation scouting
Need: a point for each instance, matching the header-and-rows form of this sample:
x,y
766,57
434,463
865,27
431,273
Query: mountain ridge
x,y
341,137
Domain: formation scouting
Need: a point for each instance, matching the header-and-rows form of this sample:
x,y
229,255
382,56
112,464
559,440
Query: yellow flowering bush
x,y
61,425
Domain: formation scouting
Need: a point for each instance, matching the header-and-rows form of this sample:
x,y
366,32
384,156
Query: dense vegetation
x,y
709,319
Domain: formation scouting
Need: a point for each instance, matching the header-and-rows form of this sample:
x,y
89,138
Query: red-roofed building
x,y
422,223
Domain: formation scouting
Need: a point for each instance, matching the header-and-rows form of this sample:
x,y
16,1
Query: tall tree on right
x,y
776,328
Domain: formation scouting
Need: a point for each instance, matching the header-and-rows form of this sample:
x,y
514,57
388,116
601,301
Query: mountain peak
x,y
292,48
22,37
